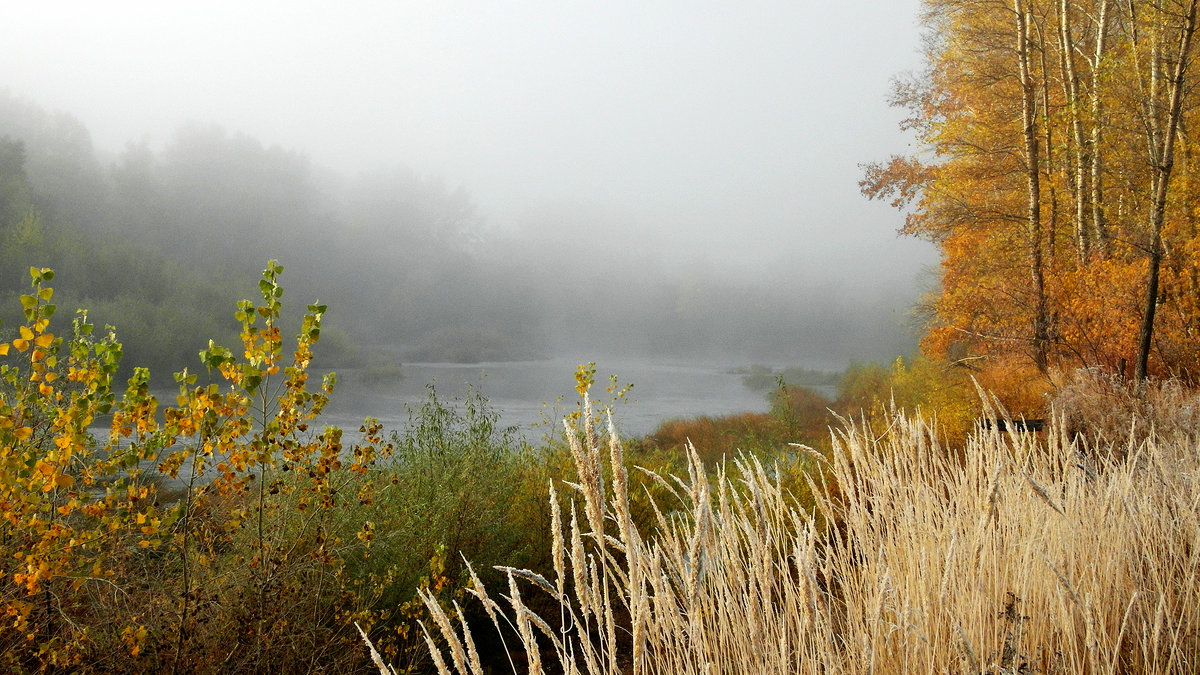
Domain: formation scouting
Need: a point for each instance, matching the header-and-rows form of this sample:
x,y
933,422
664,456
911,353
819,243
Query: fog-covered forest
x,y
160,241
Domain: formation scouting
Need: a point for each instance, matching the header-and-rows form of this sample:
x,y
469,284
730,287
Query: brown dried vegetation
x,y
1022,553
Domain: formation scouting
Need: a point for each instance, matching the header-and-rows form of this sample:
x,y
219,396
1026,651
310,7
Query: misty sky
x,y
727,133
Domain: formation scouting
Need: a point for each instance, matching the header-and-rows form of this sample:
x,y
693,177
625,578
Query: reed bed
x,y
1016,554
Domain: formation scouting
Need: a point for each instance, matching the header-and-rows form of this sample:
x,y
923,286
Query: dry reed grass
x,y
1018,555
1106,408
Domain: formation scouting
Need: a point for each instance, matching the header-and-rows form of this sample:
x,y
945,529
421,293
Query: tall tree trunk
x,y
1099,226
1191,274
1082,157
1162,155
1033,178
1050,224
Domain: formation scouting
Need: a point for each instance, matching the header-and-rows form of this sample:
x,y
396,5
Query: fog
x,y
511,179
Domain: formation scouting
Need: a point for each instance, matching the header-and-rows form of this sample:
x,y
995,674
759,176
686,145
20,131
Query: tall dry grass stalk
x,y
1016,555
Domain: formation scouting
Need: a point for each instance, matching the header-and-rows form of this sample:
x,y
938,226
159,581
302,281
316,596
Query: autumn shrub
x,y
226,532
797,415
722,437
69,516
444,489
784,439
279,573
864,386
1011,557
348,535
802,412
1016,385
938,390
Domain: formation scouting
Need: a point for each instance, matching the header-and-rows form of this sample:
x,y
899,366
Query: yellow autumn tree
x,y
1055,171
203,535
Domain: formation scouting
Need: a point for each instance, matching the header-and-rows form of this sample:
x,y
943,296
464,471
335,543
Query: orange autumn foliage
x,y
1056,171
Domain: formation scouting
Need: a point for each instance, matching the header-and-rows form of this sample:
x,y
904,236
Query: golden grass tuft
x,y
1108,409
1018,554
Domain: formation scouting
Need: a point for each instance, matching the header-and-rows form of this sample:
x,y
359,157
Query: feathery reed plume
x,y
434,653
533,654
583,590
556,541
472,653
587,464
457,652
384,669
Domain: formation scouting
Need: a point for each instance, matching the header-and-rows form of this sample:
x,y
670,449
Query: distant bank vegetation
x,y
764,378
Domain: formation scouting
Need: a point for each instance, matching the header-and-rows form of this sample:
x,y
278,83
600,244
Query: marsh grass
x,y
1019,554
1109,409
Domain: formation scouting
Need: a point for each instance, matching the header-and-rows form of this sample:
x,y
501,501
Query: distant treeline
x,y
160,242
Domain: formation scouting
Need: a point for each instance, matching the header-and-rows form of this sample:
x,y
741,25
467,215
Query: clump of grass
x,y
1014,555
1105,407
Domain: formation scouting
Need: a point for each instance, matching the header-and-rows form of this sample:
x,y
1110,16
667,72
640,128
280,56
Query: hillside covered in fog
x,y
160,241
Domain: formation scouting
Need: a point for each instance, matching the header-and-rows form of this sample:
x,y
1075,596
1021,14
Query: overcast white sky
x,y
725,130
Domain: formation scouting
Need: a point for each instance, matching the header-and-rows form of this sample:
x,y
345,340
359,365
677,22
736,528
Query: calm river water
x,y
524,392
